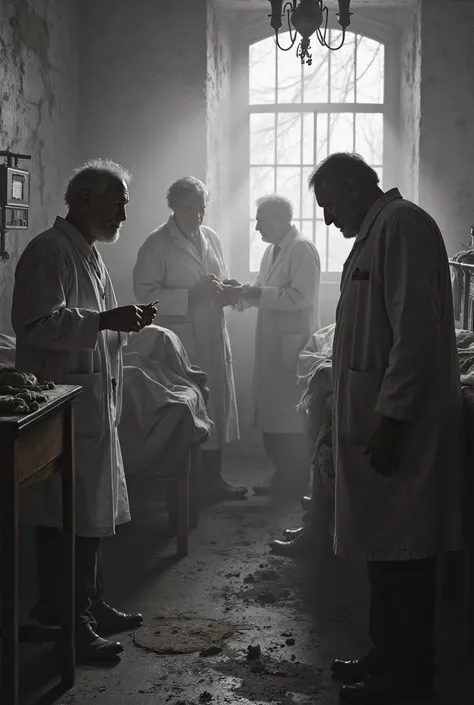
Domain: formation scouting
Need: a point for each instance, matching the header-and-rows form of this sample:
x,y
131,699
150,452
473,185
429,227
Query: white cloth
x,y
395,355
167,267
288,313
158,379
61,285
7,350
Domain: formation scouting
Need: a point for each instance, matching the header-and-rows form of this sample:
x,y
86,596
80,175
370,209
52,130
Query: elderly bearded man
x,y
397,423
286,294
70,330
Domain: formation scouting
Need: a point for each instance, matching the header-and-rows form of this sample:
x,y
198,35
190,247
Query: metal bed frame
x,y
467,303
464,571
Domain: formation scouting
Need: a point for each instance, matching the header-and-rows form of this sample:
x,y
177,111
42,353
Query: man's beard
x,y
108,236
348,234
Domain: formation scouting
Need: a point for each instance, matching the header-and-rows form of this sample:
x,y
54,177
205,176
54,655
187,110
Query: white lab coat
x,y
288,313
395,355
167,267
56,302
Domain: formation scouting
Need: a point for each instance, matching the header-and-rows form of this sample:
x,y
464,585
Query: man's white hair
x,y
94,176
281,206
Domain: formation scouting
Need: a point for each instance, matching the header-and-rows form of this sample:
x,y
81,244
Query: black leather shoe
x,y
355,670
306,502
386,690
221,491
300,546
92,648
291,534
110,621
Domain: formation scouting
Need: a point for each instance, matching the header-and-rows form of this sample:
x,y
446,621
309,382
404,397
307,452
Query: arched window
x,y
299,115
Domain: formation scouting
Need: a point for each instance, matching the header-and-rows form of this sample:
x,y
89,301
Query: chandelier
x,y
307,17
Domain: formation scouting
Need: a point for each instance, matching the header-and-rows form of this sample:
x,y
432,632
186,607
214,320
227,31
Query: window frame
x,y
241,109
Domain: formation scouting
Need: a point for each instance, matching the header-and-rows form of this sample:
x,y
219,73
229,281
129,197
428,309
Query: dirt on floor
x,y
289,617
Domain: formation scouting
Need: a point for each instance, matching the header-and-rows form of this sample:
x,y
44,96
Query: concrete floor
x,y
300,613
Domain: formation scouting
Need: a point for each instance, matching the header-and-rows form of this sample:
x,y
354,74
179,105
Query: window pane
x,y
289,74
289,185
341,132
315,81
306,229
257,248
262,182
369,136
262,79
262,138
308,198
370,71
322,144
308,138
321,244
289,138
342,68
339,248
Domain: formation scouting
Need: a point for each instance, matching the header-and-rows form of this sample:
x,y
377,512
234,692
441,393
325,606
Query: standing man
x,y
397,423
286,293
70,330
182,264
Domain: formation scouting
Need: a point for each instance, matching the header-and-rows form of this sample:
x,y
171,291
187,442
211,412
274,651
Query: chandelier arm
x,y
339,45
293,41
288,7
322,36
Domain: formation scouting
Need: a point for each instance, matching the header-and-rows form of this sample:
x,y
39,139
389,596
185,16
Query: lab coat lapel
x,y
273,263
377,207
182,242
90,257
204,246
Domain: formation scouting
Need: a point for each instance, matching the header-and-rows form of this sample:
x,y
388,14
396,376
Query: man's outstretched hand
x,y
127,319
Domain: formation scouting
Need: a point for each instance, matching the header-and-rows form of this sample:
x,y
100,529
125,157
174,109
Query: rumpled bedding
x,y
160,388
163,394
315,378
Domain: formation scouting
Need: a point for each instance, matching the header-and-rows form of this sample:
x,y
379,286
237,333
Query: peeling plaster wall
x,y
38,112
410,95
143,103
218,79
447,124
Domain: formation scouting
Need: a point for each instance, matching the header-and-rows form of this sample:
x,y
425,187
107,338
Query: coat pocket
x,y
291,346
185,332
360,395
89,414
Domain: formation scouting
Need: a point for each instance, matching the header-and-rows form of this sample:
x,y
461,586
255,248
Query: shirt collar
x,y
176,232
374,210
290,235
78,239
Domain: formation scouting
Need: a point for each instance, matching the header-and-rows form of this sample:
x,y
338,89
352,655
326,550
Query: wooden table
x,y
32,448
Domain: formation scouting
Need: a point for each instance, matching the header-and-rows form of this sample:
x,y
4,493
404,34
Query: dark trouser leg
x,y
402,611
290,456
89,576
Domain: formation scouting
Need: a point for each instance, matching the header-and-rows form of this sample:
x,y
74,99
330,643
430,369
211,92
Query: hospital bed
x,y
163,423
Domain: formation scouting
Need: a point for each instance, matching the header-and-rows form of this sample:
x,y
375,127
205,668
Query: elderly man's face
x,y
269,225
341,208
107,211
190,212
